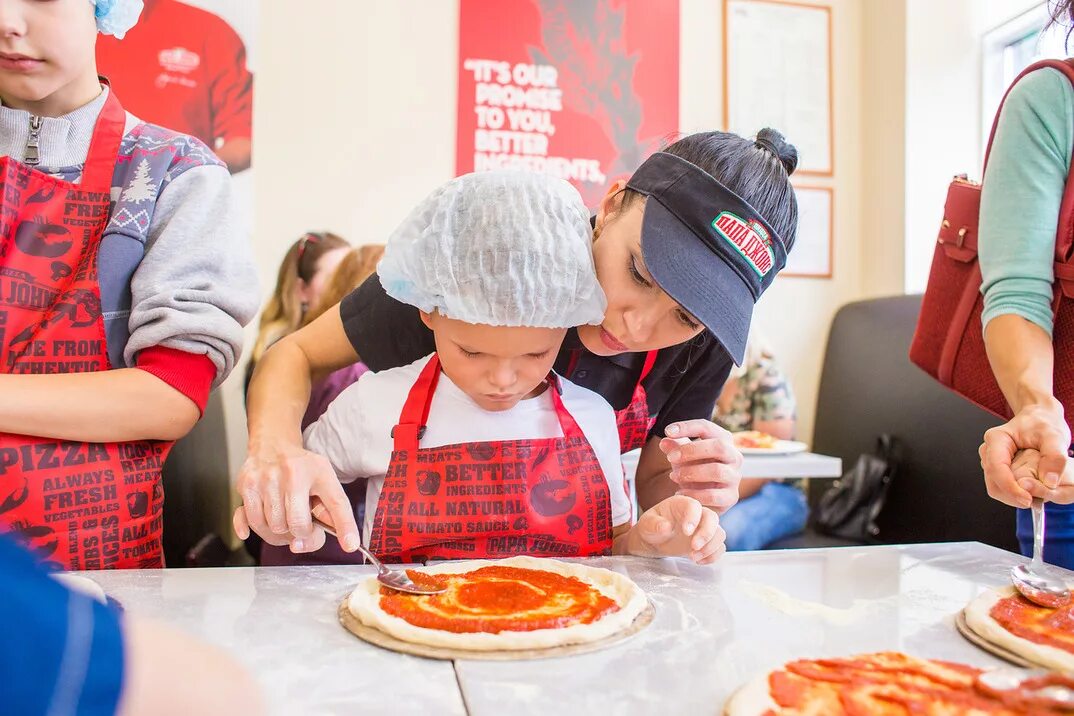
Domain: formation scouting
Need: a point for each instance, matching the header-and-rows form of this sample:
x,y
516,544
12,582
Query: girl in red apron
x,y
480,450
122,292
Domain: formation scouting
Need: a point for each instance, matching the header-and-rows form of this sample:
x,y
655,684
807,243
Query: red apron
x,y
634,420
77,505
543,497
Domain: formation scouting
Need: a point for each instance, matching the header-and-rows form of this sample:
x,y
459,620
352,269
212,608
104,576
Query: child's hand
x,y
679,526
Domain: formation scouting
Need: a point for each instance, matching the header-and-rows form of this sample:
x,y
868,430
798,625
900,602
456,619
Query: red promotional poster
x,y
186,66
581,89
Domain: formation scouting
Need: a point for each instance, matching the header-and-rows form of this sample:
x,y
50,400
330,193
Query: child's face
x,y
46,50
497,366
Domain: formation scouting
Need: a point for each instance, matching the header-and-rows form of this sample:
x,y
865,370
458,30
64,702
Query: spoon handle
x,y
1038,531
361,547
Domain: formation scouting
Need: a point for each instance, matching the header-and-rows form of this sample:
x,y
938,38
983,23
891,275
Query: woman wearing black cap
x,y
683,250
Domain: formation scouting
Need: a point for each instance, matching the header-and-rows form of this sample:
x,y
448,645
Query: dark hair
x,y
758,171
1062,13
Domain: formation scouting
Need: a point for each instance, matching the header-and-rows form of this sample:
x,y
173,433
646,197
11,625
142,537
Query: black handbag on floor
x,y
849,508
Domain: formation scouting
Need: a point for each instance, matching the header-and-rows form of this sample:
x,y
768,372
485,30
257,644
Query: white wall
x,y
943,110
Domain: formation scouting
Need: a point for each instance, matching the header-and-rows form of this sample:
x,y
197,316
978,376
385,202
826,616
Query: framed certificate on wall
x,y
811,256
777,73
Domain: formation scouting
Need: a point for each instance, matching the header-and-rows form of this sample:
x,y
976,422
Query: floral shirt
x,y
762,393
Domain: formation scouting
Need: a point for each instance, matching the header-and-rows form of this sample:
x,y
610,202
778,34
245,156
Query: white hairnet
x,y
498,248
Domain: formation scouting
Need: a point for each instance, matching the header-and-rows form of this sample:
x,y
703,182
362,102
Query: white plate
x,y
783,447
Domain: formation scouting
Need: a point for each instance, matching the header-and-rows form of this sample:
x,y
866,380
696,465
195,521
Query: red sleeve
x,y
192,374
232,84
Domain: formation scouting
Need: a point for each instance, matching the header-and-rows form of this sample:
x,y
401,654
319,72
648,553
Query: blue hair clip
x,y
116,17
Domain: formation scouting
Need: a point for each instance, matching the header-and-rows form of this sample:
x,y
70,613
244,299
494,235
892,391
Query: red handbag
x,y
949,343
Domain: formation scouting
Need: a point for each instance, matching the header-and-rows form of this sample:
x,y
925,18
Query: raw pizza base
x,y
752,699
979,619
364,603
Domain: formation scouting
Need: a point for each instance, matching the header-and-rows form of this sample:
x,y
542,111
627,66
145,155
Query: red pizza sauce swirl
x,y
498,598
1040,625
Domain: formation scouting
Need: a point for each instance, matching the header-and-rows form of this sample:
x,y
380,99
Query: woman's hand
x,y
1042,429
280,478
277,486
707,467
677,527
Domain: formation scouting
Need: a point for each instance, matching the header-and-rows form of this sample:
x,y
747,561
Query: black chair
x,y
868,387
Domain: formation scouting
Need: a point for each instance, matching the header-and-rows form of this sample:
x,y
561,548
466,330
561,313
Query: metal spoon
x,y
1009,679
392,578
1033,581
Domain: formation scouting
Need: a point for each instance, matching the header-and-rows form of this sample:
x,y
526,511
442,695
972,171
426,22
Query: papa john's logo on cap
x,y
749,238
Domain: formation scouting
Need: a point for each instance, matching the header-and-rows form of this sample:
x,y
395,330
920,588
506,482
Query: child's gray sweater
x,y
173,271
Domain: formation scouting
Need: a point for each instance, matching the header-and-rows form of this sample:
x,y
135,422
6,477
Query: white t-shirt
x,y
355,432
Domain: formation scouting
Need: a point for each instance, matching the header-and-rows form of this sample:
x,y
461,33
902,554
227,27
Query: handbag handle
x,y
887,447
1064,236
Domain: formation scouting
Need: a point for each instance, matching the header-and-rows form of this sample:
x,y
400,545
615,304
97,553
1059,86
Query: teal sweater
x,y
1026,173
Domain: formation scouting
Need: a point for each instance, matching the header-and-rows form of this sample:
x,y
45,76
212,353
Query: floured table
x,y
714,629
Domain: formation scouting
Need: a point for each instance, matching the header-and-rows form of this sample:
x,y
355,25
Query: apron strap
x,y
647,368
575,355
415,414
566,421
104,145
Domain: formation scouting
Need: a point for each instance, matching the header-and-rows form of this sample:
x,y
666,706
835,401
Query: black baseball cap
x,y
706,246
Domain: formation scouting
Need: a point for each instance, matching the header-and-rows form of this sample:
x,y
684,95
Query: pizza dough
x,y
980,620
365,604
753,699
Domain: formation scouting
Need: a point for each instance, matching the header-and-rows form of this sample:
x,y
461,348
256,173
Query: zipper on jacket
x,y
33,142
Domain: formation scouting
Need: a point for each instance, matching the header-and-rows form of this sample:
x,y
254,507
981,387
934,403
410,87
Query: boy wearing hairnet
x,y
480,450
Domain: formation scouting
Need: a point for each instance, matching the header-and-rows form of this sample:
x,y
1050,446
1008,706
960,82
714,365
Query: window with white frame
x,y
1009,49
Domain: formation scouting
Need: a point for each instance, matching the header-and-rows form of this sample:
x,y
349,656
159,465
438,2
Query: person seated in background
x,y
304,273
65,652
757,396
357,265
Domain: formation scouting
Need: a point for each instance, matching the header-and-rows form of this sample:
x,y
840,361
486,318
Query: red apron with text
x,y
543,497
634,420
76,505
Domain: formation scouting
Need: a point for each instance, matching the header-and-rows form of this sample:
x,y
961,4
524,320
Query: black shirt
x,y
683,384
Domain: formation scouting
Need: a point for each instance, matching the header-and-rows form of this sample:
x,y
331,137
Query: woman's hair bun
x,y
772,141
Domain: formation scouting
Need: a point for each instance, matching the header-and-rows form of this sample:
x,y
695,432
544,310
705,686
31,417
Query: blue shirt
x,y
61,652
